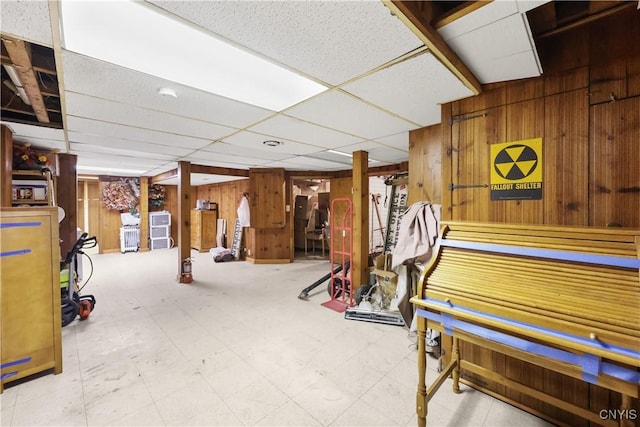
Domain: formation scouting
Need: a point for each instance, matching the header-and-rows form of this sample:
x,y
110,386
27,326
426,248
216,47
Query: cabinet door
x,y
30,291
209,228
267,198
195,229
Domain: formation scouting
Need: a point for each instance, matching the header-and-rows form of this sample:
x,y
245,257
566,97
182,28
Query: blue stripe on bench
x,y
550,332
591,365
545,253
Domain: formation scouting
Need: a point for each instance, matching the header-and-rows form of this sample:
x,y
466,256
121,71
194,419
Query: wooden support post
x,y
143,209
6,165
360,197
66,188
421,396
184,215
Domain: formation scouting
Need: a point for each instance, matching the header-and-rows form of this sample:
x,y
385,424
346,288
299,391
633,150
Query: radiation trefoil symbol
x,y
516,162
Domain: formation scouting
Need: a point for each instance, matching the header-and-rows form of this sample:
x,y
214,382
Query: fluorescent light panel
x,y
15,79
107,169
133,35
349,155
340,153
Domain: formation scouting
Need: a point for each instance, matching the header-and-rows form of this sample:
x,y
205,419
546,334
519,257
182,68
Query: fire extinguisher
x,y
186,271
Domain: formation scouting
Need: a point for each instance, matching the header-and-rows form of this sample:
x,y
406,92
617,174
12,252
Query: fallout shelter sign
x,y
516,170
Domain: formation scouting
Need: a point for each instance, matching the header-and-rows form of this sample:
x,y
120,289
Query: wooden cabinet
x,y
203,229
29,187
267,198
30,314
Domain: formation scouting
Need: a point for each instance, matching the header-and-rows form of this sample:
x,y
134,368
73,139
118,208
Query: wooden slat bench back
x,y
572,289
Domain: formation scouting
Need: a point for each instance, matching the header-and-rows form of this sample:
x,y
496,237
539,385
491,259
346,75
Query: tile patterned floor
x,y
234,348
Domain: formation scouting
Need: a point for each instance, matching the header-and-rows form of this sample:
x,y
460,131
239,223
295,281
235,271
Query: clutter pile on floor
x,y
221,254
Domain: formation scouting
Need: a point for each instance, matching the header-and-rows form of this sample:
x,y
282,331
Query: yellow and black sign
x,y
516,170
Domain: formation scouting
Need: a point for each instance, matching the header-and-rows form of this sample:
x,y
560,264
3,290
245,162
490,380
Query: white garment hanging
x,y
244,214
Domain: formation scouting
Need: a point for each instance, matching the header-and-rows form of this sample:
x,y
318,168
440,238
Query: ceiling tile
x,y
333,157
399,141
361,146
254,141
299,130
94,127
307,163
38,136
42,143
527,5
90,158
333,41
201,179
241,150
136,156
217,158
115,112
27,20
412,89
486,15
504,38
198,178
387,155
337,110
517,66
142,148
162,169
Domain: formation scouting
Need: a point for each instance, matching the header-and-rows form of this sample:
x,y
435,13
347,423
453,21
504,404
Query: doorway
x,y
311,218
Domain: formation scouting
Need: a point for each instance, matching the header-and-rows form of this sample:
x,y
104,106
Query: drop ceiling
x,y
382,83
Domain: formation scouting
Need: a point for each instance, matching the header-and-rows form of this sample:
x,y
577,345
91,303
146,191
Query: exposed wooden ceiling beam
x,y
21,61
410,14
585,20
215,170
458,12
173,173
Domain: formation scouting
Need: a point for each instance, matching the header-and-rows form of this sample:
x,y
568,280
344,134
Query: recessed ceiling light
x,y
167,92
272,143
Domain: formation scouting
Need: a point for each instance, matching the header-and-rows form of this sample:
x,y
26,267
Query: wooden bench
x,y
564,298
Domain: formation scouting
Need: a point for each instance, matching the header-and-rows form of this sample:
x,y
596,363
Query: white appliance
x,y
159,230
129,238
203,205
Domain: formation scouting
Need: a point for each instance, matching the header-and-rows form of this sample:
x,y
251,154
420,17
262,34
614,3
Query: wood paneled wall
x,y
590,141
109,225
89,207
425,161
227,195
586,109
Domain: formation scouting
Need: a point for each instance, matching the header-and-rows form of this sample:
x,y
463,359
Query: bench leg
x,y
421,396
455,354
